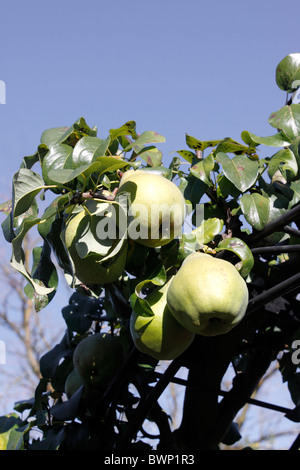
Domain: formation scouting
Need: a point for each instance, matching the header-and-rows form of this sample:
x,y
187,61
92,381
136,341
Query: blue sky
x,y
206,68
201,67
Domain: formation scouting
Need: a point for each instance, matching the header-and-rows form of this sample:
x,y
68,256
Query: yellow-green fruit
x,y
97,358
73,382
160,336
92,269
157,207
207,295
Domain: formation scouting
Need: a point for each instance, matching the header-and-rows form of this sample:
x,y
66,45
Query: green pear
x,y
207,295
157,207
73,382
159,336
92,269
97,358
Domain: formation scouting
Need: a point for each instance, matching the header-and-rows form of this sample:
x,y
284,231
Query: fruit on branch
x,y
97,358
207,295
159,336
99,265
73,382
157,207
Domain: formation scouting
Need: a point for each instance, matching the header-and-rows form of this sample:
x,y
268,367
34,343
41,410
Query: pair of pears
x,y
207,296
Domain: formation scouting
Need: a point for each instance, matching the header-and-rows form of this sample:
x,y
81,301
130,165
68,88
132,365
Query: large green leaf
x,y
55,135
241,249
26,185
283,160
288,72
278,140
88,149
240,170
58,157
255,208
287,119
229,145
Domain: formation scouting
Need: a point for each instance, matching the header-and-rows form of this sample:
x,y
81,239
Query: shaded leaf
x,y
26,185
18,257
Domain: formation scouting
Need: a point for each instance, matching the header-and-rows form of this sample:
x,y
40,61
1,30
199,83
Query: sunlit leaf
x,y
240,170
288,72
241,249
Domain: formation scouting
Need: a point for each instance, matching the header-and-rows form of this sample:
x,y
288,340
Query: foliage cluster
x,y
251,218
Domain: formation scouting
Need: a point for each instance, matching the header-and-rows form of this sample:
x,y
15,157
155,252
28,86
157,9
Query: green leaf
x,y
241,249
208,229
240,170
18,257
26,185
55,135
58,157
283,160
203,168
287,119
187,155
278,140
255,208
295,186
88,149
65,175
229,145
129,128
288,72
157,277
146,137
201,145
11,434
151,155
43,270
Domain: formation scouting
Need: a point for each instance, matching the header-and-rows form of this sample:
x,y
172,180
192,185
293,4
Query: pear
x,y
97,358
207,295
157,207
92,269
159,336
73,382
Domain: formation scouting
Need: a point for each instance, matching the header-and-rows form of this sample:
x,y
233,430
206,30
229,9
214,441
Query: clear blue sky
x,y
202,67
